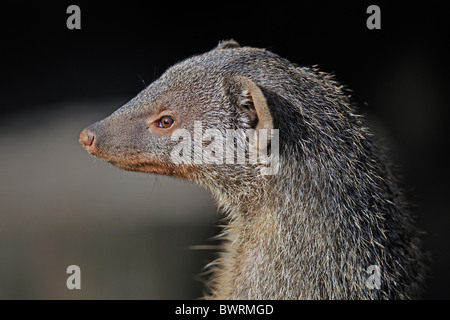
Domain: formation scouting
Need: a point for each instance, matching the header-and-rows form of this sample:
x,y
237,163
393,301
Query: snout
x,y
89,141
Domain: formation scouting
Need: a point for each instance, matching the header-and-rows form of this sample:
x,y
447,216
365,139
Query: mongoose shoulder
x,y
317,226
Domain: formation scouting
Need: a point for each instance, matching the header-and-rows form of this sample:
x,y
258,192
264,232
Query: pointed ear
x,y
228,44
248,97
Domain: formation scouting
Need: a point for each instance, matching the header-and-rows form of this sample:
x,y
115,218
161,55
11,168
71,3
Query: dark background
x,y
129,233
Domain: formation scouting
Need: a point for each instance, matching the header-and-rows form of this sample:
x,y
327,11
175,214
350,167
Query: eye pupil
x,y
166,122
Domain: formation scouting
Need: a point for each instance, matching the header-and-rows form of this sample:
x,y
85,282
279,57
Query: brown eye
x,y
165,122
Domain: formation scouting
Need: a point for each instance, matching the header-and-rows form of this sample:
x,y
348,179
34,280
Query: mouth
x,y
153,167
147,167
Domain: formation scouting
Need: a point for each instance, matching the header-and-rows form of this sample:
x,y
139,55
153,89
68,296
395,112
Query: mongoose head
x,y
217,91
303,112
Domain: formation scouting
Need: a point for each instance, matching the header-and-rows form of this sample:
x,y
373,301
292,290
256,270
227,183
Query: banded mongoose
x,y
319,227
